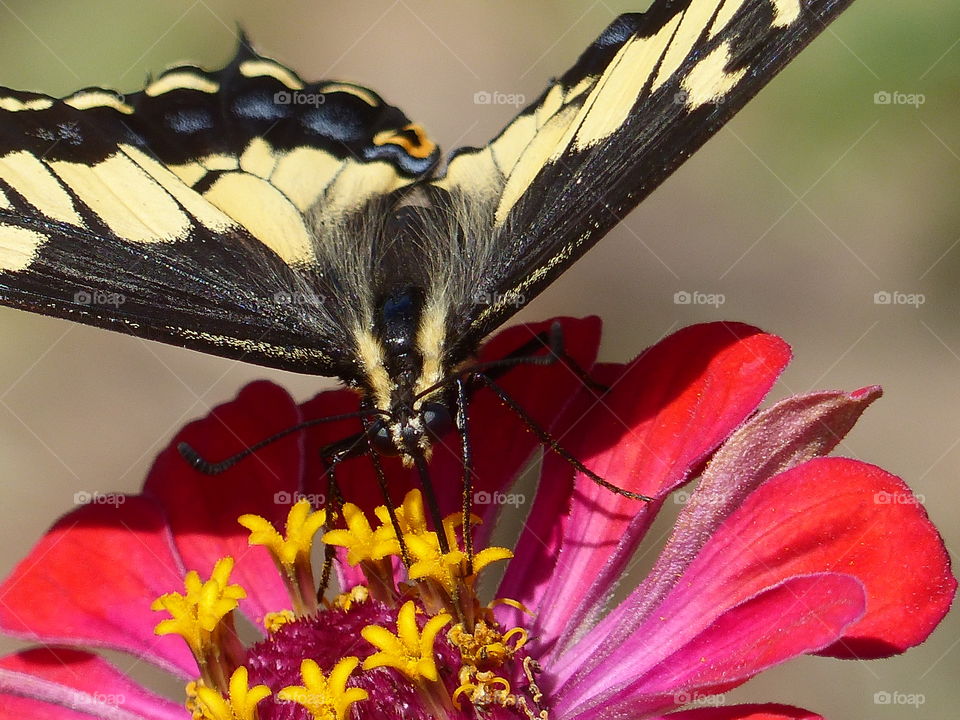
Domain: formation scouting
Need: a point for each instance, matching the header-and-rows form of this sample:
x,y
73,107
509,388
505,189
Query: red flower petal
x,y
833,514
202,509
90,580
868,523
745,712
664,414
693,652
44,683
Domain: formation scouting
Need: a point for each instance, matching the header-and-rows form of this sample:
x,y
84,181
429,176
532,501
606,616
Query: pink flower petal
x,y
693,653
90,581
745,712
828,515
790,432
202,510
664,414
54,682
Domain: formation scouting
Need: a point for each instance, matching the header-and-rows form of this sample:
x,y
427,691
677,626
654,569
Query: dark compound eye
x,y
381,438
436,419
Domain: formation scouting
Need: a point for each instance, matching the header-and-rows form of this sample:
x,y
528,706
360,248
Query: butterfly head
x,y
410,434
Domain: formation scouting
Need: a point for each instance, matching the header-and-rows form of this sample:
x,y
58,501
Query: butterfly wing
x,y
209,210
648,92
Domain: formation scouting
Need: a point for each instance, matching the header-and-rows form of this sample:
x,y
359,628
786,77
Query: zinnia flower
x,y
778,551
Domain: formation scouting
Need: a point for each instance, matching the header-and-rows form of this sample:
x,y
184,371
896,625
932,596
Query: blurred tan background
x,y
812,201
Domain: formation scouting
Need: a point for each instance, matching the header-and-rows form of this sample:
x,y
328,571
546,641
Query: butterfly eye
x,y
381,439
436,419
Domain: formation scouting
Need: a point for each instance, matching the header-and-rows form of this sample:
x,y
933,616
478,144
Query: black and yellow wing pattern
x,y
642,99
249,214
204,211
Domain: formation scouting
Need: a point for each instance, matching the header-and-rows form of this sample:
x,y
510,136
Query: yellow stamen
x,y
486,647
291,551
242,704
325,697
302,525
484,689
409,650
195,615
358,594
359,539
275,620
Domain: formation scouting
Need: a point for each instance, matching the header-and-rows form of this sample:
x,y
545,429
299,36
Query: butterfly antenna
x,y
547,439
207,467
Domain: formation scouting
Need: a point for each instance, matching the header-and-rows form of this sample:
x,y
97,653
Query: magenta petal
x,y
90,581
689,652
792,431
769,711
202,510
44,683
665,413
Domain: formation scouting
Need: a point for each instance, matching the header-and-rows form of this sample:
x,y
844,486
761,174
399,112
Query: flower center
x,y
417,646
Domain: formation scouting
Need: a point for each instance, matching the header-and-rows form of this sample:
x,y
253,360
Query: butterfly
x,y
313,227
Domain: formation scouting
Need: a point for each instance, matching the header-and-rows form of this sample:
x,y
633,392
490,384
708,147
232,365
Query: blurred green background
x,y
812,201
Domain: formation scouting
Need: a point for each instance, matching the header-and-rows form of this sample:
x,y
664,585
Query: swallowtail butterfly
x,y
311,226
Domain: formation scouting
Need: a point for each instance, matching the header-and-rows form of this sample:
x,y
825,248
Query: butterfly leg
x,y
467,453
527,354
334,503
